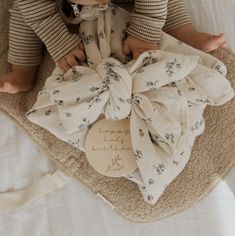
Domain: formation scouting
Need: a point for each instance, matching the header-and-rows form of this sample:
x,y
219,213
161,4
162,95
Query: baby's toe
x,y
9,88
224,45
214,42
220,39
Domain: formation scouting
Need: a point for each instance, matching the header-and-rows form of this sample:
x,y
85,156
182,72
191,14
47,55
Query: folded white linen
x,y
10,201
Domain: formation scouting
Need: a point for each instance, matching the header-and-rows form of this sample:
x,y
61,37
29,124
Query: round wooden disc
x,y
108,148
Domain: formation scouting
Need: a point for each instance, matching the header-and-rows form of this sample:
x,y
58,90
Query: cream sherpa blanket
x,y
212,156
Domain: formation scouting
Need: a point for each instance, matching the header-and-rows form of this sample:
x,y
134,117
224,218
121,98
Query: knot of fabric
x,y
83,94
90,12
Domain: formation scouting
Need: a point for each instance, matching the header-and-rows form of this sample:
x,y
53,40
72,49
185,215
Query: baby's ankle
x,y
26,70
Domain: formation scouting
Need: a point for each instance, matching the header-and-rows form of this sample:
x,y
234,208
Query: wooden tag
x,y
108,148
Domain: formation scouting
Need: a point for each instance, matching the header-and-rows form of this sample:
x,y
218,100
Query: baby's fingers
x,y
71,60
63,64
81,46
126,48
137,52
79,54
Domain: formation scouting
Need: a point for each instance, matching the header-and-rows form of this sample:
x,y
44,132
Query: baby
x,y
37,22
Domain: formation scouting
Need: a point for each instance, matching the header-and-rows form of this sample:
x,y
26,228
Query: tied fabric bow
x,y
156,92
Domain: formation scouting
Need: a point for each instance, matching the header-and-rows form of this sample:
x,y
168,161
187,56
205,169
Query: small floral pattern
x,y
172,67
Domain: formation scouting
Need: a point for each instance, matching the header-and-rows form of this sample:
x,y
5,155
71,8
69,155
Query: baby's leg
x,y
178,24
24,54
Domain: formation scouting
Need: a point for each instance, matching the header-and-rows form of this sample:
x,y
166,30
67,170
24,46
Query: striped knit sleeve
x,y
42,17
147,19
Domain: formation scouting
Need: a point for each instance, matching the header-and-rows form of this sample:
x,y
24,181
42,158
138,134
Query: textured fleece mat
x,y
212,157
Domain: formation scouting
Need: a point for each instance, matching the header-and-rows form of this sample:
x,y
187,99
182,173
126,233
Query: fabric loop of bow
x,y
163,129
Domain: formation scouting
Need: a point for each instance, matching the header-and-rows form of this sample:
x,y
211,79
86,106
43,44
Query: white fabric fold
x,y
163,94
10,201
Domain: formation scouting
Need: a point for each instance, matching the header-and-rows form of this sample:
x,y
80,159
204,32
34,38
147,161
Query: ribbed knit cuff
x,y
64,46
145,28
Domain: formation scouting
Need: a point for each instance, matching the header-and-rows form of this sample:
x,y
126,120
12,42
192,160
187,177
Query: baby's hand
x,y
134,46
73,58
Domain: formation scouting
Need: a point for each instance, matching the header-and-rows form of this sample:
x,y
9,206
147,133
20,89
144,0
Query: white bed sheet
x,y
75,211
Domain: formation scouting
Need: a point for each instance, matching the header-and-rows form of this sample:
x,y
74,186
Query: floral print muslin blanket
x,y
163,94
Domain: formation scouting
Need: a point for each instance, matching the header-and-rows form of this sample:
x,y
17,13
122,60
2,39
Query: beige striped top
x,y
147,20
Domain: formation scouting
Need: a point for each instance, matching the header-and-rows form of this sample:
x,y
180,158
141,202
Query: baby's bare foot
x,y
206,42
202,41
19,80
